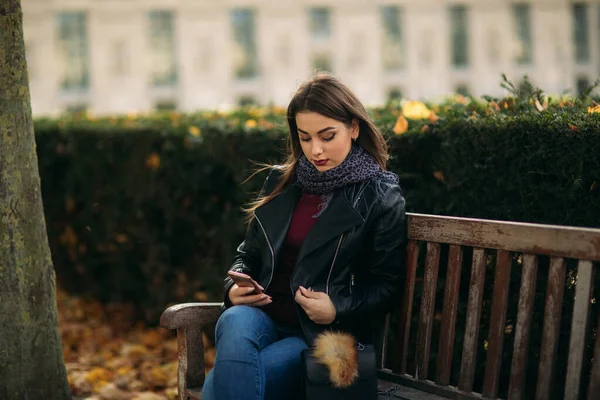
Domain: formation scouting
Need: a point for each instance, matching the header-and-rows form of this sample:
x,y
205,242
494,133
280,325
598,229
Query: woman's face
x,y
325,142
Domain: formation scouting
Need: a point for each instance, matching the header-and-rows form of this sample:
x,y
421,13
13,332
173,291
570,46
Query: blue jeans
x,y
255,358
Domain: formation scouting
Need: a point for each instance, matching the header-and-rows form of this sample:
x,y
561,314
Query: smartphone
x,y
244,280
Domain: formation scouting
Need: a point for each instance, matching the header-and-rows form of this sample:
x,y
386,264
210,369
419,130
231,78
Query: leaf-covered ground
x,y
110,357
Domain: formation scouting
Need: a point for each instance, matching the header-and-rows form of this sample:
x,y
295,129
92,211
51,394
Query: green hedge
x,y
147,208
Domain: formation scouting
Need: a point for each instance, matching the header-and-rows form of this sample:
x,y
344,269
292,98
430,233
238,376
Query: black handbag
x,y
317,385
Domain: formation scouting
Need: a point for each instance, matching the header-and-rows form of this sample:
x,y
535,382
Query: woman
x,y
325,240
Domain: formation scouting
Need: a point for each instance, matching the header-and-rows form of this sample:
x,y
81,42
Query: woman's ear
x,y
355,129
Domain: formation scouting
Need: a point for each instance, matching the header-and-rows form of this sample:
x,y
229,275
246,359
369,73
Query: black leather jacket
x,y
354,252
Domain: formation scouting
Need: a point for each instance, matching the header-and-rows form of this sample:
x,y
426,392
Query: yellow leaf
x,y
98,374
439,175
595,109
201,296
194,131
401,125
415,110
153,161
251,123
68,237
433,117
153,339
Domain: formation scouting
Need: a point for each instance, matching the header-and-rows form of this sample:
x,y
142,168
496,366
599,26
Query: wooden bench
x,y
443,255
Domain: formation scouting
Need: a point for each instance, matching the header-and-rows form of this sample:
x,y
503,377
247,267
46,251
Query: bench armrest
x,y
189,319
188,314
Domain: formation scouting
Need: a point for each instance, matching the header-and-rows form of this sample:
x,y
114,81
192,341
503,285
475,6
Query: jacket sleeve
x,y
385,258
247,259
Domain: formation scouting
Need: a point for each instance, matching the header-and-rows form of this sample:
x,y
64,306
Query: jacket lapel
x,y
276,216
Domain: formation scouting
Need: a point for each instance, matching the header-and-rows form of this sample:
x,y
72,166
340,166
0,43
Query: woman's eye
x,y
328,139
305,139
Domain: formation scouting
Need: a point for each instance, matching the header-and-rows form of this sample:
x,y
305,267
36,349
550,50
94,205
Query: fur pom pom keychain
x,y
338,352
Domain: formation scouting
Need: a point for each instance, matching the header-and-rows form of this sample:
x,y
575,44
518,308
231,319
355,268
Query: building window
x,y
247,100
320,35
522,22
320,24
322,62
583,84
581,37
462,89
73,51
392,43
162,45
165,105
394,94
459,36
245,54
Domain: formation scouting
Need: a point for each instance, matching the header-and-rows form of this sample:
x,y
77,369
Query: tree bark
x,y
31,361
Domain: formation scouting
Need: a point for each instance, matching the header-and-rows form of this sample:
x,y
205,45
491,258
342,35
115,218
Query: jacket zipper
x,y
270,248
332,263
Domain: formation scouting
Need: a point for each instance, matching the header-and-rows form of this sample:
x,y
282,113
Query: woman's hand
x,y
241,296
317,305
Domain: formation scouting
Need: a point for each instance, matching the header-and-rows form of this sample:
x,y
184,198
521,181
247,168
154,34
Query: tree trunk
x,y
31,361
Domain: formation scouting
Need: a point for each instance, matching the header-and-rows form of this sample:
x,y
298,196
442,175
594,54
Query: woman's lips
x,y
320,163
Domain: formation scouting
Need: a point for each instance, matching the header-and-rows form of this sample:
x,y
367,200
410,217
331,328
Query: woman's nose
x,y
317,149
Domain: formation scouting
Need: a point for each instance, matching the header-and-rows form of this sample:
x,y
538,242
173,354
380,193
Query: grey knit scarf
x,y
358,166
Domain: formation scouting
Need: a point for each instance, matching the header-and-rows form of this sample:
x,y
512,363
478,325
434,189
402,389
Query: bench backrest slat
x,y
516,246
403,328
451,292
474,305
551,328
594,389
583,292
432,263
523,326
497,322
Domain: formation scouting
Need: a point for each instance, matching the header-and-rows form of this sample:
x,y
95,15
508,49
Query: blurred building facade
x,y
119,56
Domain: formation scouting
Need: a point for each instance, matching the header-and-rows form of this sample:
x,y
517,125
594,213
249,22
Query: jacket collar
x,y
275,217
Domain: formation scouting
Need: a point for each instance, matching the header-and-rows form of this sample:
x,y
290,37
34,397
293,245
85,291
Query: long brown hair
x,y
328,96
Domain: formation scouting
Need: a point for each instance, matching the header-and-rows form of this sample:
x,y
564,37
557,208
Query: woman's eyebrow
x,y
321,131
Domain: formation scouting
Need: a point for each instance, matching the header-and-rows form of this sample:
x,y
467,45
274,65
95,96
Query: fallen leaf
x,y
153,161
149,396
439,175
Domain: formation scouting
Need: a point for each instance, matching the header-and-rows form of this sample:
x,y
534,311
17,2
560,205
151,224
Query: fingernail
x,y
302,288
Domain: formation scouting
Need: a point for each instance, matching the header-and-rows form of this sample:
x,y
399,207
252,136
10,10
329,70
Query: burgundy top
x,y
283,308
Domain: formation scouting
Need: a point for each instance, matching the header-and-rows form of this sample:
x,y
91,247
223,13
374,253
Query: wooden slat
x,y
425,387
552,313
523,327
381,343
594,388
432,262
469,355
583,291
563,241
403,329
444,360
497,322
